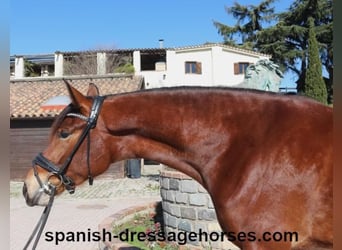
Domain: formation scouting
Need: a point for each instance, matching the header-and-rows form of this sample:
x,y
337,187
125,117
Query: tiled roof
x,y
49,58
228,47
27,96
179,48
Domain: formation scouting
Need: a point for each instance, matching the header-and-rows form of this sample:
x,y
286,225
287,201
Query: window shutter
x,y
199,68
236,68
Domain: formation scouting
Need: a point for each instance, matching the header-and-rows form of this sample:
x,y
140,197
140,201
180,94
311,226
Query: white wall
x,y
101,63
176,67
19,68
223,66
154,79
59,64
217,67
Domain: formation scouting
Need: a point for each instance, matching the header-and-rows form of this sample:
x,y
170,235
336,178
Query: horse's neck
x,y
170,129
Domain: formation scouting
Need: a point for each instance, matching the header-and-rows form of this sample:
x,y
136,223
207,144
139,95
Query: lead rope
x,y
42,221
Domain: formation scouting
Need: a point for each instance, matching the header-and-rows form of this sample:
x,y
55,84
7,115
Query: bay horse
x,y
265,159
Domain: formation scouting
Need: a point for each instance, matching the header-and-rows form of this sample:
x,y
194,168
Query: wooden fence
x,y
26,142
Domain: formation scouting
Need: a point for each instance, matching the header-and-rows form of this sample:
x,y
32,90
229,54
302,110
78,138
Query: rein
x,y
60,172
41,223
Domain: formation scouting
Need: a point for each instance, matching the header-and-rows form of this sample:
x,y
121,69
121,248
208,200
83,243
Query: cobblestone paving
x,y
82,211
126,187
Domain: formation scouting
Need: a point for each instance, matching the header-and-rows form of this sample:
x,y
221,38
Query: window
x,y
240,67
193,68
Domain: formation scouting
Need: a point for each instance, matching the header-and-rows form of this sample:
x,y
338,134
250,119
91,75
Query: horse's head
x,y
69,159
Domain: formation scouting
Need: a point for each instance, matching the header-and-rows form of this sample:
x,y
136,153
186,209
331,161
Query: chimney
x,y
161,43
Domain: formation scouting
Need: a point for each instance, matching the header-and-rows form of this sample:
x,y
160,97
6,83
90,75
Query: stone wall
x,y
188,207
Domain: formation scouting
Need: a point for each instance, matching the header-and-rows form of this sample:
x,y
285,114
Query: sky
x,y
40,27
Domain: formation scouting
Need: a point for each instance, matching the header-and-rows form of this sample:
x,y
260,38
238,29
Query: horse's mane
x,y
218,88
197,88
71,108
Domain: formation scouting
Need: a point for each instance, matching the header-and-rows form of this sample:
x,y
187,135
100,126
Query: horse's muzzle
x,y
26,196
39,197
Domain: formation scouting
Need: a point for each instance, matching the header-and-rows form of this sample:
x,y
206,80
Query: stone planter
x,y
187,207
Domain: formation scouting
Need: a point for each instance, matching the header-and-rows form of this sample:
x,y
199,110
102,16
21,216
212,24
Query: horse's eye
x,y
63,134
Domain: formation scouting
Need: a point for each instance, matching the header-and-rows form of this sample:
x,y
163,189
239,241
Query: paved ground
x,y
82,211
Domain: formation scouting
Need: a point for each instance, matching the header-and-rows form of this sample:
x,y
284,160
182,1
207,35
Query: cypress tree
x,y
314,84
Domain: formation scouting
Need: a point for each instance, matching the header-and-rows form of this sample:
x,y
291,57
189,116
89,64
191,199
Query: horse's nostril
x,y
24,190
26,196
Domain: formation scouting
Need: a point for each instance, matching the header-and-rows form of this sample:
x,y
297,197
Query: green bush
x,y
127,68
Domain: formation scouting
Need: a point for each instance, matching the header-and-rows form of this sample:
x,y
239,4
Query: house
x,y
204,65
31,118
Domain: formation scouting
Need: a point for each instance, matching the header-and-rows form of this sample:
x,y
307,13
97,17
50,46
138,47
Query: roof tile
x,y
27,95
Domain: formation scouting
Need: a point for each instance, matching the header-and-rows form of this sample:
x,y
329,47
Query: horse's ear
x,y
93,90
77,98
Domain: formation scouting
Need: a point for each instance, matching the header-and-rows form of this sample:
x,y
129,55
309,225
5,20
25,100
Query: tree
x,y
314,84
85,63
250,20
80,63
287,39
31,69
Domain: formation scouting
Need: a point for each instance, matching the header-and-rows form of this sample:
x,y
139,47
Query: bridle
x,y
60,172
